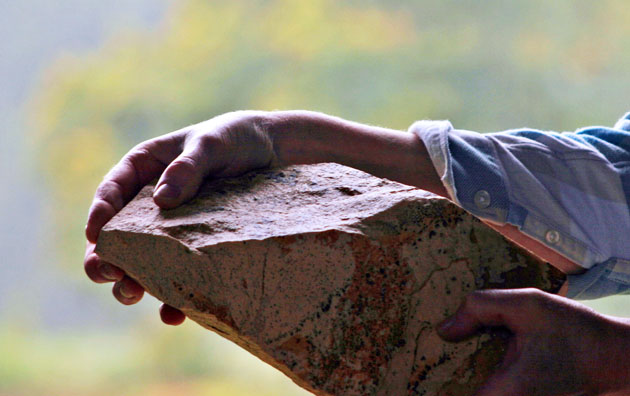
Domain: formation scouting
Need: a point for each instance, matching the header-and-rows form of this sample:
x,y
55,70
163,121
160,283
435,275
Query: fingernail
x,y
123,292
109,272
168,191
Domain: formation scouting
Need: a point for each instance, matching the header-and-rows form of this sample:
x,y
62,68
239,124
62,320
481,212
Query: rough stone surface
x,y
333,276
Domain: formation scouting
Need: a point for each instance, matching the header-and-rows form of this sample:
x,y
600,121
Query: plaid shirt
x,y
566,190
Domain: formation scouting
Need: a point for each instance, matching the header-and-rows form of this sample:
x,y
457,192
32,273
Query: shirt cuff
x,y
434,135
473,179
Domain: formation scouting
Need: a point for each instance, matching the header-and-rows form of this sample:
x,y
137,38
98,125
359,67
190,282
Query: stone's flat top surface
x,y
331,275
268,204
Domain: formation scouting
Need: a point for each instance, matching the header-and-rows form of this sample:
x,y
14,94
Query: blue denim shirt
x,y
566,190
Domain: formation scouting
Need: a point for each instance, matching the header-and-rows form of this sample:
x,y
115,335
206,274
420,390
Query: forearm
x,y
303,137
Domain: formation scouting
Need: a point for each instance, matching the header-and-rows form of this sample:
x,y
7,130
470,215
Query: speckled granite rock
x,y
335,277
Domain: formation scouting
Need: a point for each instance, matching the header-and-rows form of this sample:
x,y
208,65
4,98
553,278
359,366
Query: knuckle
x,y
184,164
188,160
532,292
100,208
532,299
139,159
209,141
107,187
142,147
138,153
109,192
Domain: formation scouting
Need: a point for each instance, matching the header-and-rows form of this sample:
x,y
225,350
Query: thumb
x,y
182,177
480,309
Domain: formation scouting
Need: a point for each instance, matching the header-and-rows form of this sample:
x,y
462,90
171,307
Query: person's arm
x,y
237,142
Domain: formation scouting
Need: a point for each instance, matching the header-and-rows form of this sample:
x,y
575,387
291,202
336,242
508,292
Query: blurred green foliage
x,y
486,66
176,361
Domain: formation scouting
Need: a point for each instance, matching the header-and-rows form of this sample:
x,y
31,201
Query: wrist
x,y
295,136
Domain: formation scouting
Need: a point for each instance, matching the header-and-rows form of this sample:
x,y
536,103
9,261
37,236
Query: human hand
x,y
557,347
227,145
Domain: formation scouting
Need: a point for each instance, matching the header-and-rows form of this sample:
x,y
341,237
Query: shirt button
x,y
482,199
552,236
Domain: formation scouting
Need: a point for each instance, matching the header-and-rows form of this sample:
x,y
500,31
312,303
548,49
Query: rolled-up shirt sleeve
x,y
566,190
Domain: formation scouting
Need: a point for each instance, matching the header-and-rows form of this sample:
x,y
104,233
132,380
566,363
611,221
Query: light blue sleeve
x,y
565,190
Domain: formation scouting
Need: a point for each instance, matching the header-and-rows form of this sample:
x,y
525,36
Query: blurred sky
x,y
35,33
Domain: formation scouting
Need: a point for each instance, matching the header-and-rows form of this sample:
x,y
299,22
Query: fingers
x,y
171,315
142,164
486,308
179,182
98,270
127,291
182,178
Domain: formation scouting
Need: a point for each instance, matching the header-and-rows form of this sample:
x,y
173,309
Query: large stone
x,y
333,276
